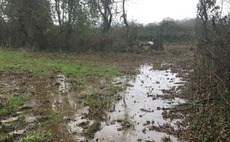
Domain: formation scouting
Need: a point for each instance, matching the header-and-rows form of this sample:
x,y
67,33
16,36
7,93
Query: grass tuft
x,y
12,104
35,136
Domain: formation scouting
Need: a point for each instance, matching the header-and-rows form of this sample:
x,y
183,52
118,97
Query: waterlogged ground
x,y
141,113
89,97
143,108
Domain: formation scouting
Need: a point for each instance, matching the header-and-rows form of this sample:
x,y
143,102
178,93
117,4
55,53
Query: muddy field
x,y
97,104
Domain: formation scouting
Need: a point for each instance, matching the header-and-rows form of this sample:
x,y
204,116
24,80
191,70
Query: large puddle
x,y
139,115
143,102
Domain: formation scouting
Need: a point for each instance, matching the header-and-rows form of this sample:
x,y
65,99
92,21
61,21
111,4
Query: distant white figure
x,y
150,43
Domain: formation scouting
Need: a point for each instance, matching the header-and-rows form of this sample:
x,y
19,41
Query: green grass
x,y
12,104
53,118
5,137
35,136
47,62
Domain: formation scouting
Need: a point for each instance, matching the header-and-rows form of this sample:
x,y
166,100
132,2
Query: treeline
x,y
81,25
171,31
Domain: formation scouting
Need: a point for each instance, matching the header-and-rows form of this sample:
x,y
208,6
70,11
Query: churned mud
x,y
76,112
48,96
141,114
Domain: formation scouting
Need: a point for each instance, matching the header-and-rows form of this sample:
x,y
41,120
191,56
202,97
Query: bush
x,y
210,86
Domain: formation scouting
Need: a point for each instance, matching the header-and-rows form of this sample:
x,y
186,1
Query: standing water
x,y
140,110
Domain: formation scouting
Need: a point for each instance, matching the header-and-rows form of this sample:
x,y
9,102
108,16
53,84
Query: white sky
x,y
150,11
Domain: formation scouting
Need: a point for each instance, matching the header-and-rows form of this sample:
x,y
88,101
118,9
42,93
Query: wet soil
x,y
47,95
141,113
138,113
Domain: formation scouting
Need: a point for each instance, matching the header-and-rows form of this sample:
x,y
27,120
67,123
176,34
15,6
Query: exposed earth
x,y
97,103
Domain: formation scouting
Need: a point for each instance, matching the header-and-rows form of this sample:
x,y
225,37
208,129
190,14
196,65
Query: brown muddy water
x,y
139,115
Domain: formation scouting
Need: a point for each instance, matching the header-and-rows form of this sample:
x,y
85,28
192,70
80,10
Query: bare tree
x,y
105,9
124,13
58,10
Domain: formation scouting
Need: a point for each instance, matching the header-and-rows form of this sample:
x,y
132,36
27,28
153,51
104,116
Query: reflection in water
x,y
139,108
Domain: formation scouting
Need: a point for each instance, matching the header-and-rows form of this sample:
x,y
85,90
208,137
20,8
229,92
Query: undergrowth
x,y
209,108
209,88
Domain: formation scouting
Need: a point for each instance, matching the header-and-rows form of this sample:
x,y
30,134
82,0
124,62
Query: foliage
x,y
26,21
77,25
170,30
55,25
178,31
210,87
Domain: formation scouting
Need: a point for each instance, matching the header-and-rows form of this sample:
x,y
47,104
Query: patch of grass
x,y
114,89
102,99
21,120
12,104
95,100
5,137
47,62
54,118
36,136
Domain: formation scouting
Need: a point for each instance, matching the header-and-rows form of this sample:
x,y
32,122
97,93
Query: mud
x,y
141,108
139,113
47,95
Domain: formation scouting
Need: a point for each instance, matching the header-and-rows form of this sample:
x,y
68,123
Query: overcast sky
x,y
149,11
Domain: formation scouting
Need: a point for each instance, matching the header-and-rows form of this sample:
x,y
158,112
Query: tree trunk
x,y
57,8
124,15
